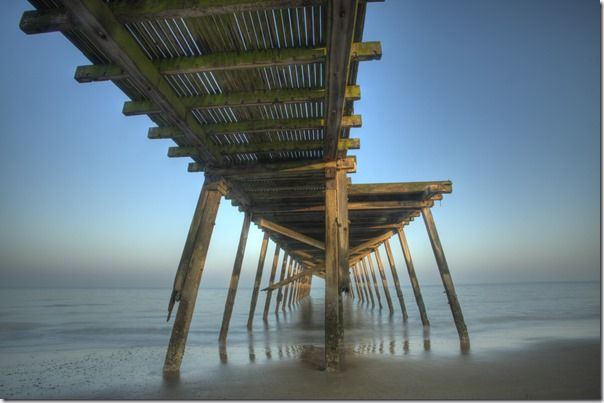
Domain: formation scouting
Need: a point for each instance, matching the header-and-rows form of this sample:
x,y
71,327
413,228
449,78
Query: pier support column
x,y
357,283
397,283
191,272
384,280
352,292
336,263
413,278
288,286
230,301
281,278
375,286
292,286
367,281
269,293
257,281
445,276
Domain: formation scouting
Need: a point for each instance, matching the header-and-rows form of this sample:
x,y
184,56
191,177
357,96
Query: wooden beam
x,y
445,276
137,10
280,146
178,152
237,61
43,21
254,126
352,206
371,244
190,287
341,17
287,168
284,265
257,280
230,300
384,279
366,280
413,277
101,72
96,21
397,283
271,226
369,189
238,99
267,302
371,271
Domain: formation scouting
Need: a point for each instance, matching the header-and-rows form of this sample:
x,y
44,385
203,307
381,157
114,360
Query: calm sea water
x,y
497,316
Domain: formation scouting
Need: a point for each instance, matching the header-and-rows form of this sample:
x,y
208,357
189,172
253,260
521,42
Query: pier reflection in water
x,y
298,332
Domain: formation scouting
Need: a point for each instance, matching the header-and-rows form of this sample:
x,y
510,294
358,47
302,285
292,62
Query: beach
x,y
96,351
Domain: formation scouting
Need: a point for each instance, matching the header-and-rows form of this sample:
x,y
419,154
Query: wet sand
x,y
541,370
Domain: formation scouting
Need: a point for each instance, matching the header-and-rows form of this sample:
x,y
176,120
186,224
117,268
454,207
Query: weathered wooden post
x,y
257,280
362,282
356,282
211,194
397,283
269,293
336,262
281,278
293,287
352,292
372,272
367,283
230,301
384,280
287,287
445,276
413,278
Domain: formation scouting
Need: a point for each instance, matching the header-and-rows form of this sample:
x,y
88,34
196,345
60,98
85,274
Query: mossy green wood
x,y
254,98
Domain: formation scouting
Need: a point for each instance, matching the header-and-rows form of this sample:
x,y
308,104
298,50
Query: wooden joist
x,y
254,126
96,21
371,189
236,61
279,229
39,22
378,205
254,98
371,243
285,168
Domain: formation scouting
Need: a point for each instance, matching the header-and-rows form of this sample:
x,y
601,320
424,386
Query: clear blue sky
x,y
501,97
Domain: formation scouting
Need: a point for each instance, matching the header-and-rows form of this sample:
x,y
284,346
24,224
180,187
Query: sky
x,y
500,97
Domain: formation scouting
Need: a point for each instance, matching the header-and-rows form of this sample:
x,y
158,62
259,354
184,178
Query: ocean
x,y
39,324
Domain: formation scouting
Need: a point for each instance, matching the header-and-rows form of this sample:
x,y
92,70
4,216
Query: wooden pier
x,y
260,96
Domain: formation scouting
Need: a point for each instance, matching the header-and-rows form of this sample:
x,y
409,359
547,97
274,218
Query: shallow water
x,y
497,316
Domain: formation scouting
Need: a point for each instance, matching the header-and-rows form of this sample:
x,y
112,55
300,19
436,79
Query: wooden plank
x,y
286,168
413,277
271,226
253,98
164,133
101,72
353,206
178,152
384,279
96,21
136,10
267,302
397,283
230,300
445,276
341,17
257,279
43,21
188,294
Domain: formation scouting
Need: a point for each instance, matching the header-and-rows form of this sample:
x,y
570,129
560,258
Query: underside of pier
x,y
260,96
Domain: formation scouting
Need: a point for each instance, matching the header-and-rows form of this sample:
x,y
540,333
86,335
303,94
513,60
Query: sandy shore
x,y
545,370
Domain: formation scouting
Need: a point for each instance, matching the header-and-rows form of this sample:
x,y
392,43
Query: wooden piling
x,y
397,283
212,192
445,276
413,278
293,286
287,287
269,293
257,280
281,278
367,281
357,283
352,292
375,285
384,280
336,262
230,301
